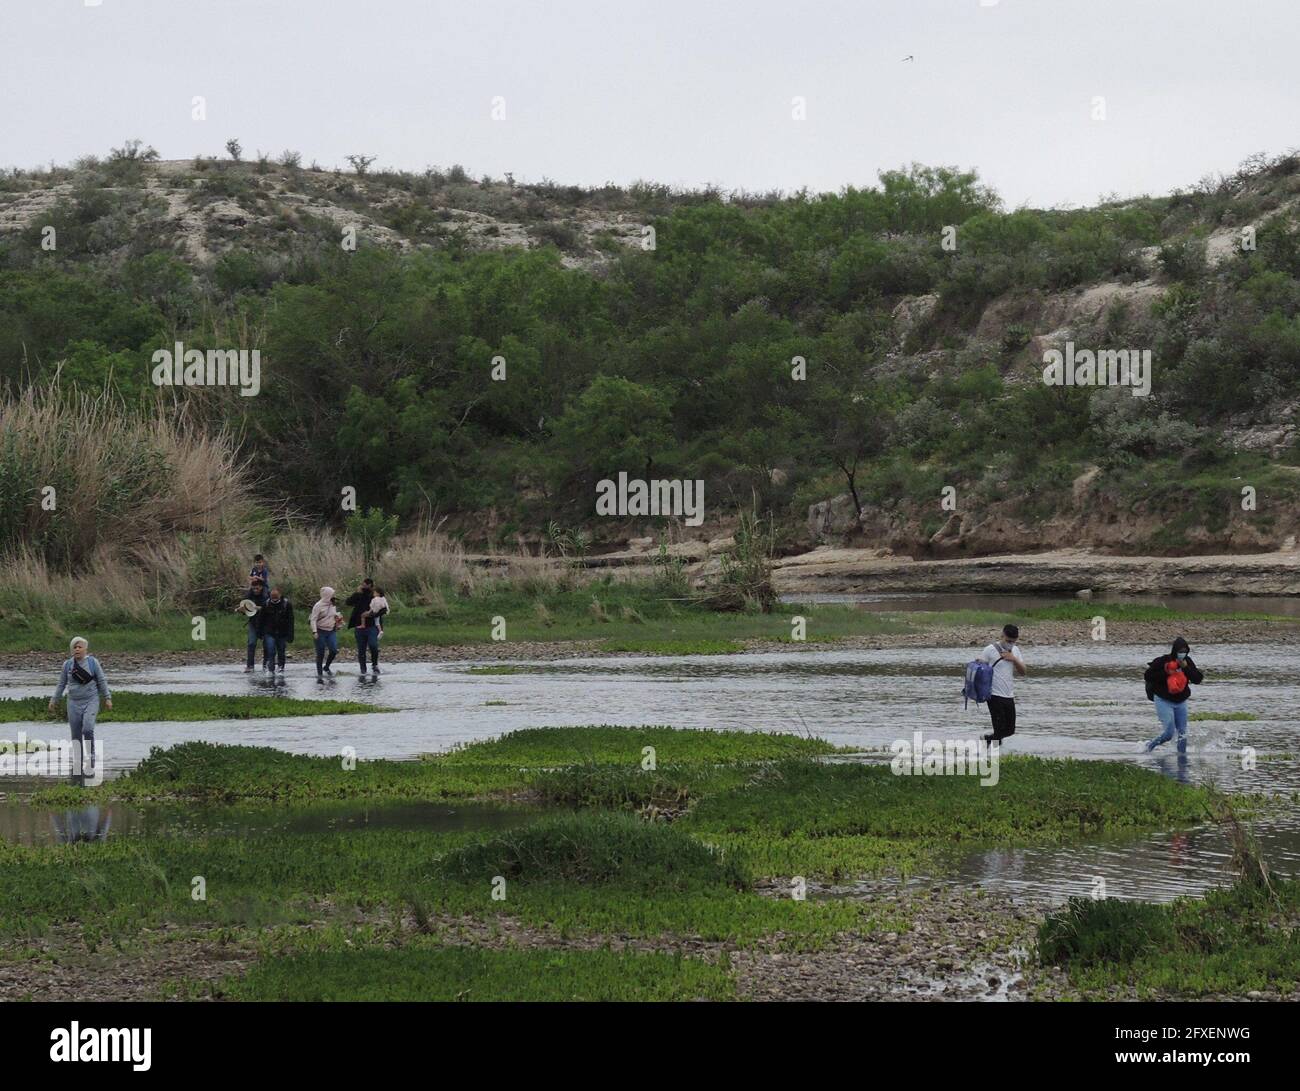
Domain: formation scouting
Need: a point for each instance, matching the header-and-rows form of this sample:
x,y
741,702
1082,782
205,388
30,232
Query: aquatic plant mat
x,y
620,863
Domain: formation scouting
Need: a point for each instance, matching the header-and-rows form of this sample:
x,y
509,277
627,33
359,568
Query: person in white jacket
x,y
324,625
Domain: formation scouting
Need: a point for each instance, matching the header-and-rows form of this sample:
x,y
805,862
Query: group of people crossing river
x,y
1168,680
271,623
270,617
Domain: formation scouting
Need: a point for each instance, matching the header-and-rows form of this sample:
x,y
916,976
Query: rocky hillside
x,y
201,209
655,331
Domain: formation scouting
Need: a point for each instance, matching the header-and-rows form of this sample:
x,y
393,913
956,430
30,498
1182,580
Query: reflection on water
x,y
81,824
1157,868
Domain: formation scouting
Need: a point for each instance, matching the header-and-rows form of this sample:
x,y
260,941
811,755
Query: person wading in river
x,y
1007,662
324,623
367,636
1168,680
253,600
83,679
275,625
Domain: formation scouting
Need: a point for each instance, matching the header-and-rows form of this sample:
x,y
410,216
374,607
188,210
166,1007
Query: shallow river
x,y
1082,701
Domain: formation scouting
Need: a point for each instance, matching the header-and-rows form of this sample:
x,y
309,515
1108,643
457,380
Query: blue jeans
x,y
252,643
326,641
367,638
1173,716
273,651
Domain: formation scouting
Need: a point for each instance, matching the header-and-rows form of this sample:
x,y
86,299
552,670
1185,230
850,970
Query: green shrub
x,y
1088,932
595,848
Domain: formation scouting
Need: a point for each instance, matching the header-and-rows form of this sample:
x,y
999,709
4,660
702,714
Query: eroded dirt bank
x,y
833,570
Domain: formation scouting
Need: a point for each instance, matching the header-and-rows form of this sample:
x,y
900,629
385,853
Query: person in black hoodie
x,y
1168,680
275,626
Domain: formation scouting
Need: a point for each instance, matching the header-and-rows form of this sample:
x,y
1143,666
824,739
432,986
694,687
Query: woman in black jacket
x,y
1168,680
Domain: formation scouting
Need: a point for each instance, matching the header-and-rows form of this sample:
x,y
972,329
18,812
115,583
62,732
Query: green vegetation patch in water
x,y
596,848
806,818
130,707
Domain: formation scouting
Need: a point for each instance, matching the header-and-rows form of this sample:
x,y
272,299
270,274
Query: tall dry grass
x,y
419,565
422,568
153,515
124,483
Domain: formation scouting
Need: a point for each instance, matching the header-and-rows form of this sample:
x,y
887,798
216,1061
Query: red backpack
x,y
1175,679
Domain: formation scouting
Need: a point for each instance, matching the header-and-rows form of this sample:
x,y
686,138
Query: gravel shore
x,y
959,944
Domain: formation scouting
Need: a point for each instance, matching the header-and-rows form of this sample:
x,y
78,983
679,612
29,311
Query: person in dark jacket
x,y
275,626
362,625
1168,681
257,595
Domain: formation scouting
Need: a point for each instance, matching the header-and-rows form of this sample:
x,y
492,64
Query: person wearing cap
x,y
1168,680
324,625
254,599
83,680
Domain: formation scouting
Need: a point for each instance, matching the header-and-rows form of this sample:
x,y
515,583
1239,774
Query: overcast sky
x,y
681,92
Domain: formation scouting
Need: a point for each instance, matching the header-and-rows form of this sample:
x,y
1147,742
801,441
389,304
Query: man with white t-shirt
x,y
1005,656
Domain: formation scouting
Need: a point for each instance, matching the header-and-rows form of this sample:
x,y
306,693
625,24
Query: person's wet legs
x,y
81,721
327,647
1002,713
1166,712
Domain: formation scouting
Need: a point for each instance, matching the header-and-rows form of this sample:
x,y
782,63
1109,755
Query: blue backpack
x,y
978,686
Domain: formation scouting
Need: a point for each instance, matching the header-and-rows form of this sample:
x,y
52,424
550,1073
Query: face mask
x,y
1182,656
